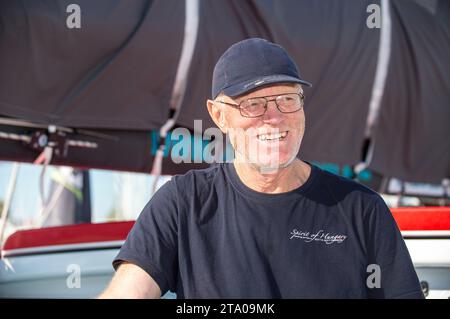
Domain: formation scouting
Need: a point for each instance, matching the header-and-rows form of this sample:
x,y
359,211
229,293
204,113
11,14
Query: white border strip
x,y
384,55
61,248
187,52
426,233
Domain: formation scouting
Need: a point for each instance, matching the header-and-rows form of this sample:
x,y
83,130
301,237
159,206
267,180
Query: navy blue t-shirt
x,y
205,234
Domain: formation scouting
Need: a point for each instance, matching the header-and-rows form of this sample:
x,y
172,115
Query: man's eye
x,y
253,104
285,100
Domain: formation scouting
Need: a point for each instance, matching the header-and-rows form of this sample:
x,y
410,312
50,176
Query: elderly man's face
x,y
268,142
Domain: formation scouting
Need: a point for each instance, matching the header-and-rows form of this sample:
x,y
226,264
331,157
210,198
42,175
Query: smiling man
x,y
268,225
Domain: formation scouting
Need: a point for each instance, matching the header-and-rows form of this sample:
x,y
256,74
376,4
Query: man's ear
x,y
217,115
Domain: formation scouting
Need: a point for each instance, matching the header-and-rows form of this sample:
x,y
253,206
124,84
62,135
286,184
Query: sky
x,y
126,192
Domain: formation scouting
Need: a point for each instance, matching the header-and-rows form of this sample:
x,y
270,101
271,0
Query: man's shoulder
x,y
346,187
193,185
198,174
197,179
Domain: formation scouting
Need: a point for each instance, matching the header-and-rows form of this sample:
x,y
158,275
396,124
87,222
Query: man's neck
x,y
280,181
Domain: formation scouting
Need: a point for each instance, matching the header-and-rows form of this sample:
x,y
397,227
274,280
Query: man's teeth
x,y
271,137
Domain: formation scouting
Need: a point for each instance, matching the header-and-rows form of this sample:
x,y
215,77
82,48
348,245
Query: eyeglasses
x,y
257,106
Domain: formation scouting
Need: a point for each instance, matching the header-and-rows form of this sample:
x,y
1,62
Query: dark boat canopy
x,y
380,94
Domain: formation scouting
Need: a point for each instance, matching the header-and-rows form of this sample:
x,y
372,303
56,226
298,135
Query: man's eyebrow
x,y
259,96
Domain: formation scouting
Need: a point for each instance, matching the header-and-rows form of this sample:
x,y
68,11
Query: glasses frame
x,y
238,106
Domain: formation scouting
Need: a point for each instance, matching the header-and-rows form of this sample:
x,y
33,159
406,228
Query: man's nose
x,y
273,114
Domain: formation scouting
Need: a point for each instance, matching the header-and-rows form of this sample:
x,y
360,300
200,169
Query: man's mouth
x,y
272,136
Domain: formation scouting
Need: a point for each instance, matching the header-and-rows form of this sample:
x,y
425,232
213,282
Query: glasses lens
x,y
289,102
253,107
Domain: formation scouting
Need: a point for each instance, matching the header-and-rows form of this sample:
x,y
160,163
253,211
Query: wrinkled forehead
x,y
273,89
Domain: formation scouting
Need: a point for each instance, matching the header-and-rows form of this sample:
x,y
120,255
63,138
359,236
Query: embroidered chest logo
x,y
321,235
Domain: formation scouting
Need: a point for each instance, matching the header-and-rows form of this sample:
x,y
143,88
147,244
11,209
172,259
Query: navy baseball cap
x,y
250,64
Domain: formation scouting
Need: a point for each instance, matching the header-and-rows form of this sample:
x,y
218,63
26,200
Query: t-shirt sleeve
x,y
387,249
152,242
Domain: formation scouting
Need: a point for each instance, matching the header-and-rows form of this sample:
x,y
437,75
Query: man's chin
x,y
272,167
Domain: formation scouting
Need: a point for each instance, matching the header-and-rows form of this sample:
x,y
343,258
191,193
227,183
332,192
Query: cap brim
x,y
248,86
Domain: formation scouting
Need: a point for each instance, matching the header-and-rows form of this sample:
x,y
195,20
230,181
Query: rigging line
x,y
379,84
179,89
